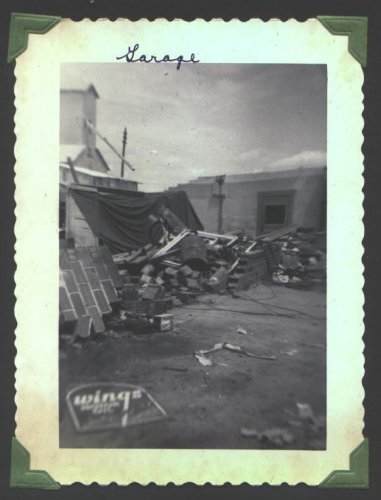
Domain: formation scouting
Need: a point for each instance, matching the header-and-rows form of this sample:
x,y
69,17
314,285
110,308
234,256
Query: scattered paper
x,y
203,360
291,352
200,355
305,411
276,436
241,331
237,348
249,432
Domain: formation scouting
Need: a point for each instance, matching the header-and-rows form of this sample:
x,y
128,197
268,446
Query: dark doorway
x,y
275,214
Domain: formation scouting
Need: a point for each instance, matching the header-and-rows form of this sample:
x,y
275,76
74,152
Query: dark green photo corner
x,y
356,29
20,27
21,476
358,474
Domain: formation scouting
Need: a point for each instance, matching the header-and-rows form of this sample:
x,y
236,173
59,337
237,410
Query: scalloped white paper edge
x,y
37,181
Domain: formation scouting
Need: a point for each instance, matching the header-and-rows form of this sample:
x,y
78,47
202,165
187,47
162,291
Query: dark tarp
x,y
121,219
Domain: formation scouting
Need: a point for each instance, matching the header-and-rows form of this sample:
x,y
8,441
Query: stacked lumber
x,y
250,269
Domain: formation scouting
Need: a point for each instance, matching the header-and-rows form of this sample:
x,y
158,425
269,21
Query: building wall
x,y
76,106
115,183
72,117
90,112
240,206
89,158
77,226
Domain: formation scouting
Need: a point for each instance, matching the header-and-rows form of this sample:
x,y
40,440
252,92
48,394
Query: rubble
x,y
199,261
178,267
302,259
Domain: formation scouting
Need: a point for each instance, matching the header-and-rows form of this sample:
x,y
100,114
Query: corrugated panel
x,y
99,263
101,271
64,260
65,302
83,327
79,306
106,254
70,281
78,271
111,268
93,278
84,256
110,291
96,316
87,295
115,276
69,316
102,302
94,252
88,280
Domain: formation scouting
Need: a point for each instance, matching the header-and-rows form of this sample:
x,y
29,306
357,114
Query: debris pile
x,y
176,267
302,259
191,263
195,262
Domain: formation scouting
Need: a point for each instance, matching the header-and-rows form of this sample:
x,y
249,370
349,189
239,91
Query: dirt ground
x,y
207,406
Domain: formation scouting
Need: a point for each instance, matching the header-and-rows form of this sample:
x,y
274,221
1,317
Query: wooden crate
x,y
147,307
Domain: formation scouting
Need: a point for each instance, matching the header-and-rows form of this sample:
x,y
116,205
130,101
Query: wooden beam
x,y
104,139
72,170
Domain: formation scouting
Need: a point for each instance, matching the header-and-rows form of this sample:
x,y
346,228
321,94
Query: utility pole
x,y
124,142
220,179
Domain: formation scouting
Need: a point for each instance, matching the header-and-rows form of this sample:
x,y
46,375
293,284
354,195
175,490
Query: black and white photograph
x,y
192,256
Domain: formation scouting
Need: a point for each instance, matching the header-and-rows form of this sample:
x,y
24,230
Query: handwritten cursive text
x,y
130,57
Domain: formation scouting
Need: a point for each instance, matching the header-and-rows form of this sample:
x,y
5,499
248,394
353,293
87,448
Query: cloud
x,y
249,156
256,160
207,119
302,159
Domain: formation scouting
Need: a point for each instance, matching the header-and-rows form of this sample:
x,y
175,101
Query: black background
x,y
189,10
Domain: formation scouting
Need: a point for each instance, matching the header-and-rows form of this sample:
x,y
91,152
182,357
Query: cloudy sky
x,y
207,119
